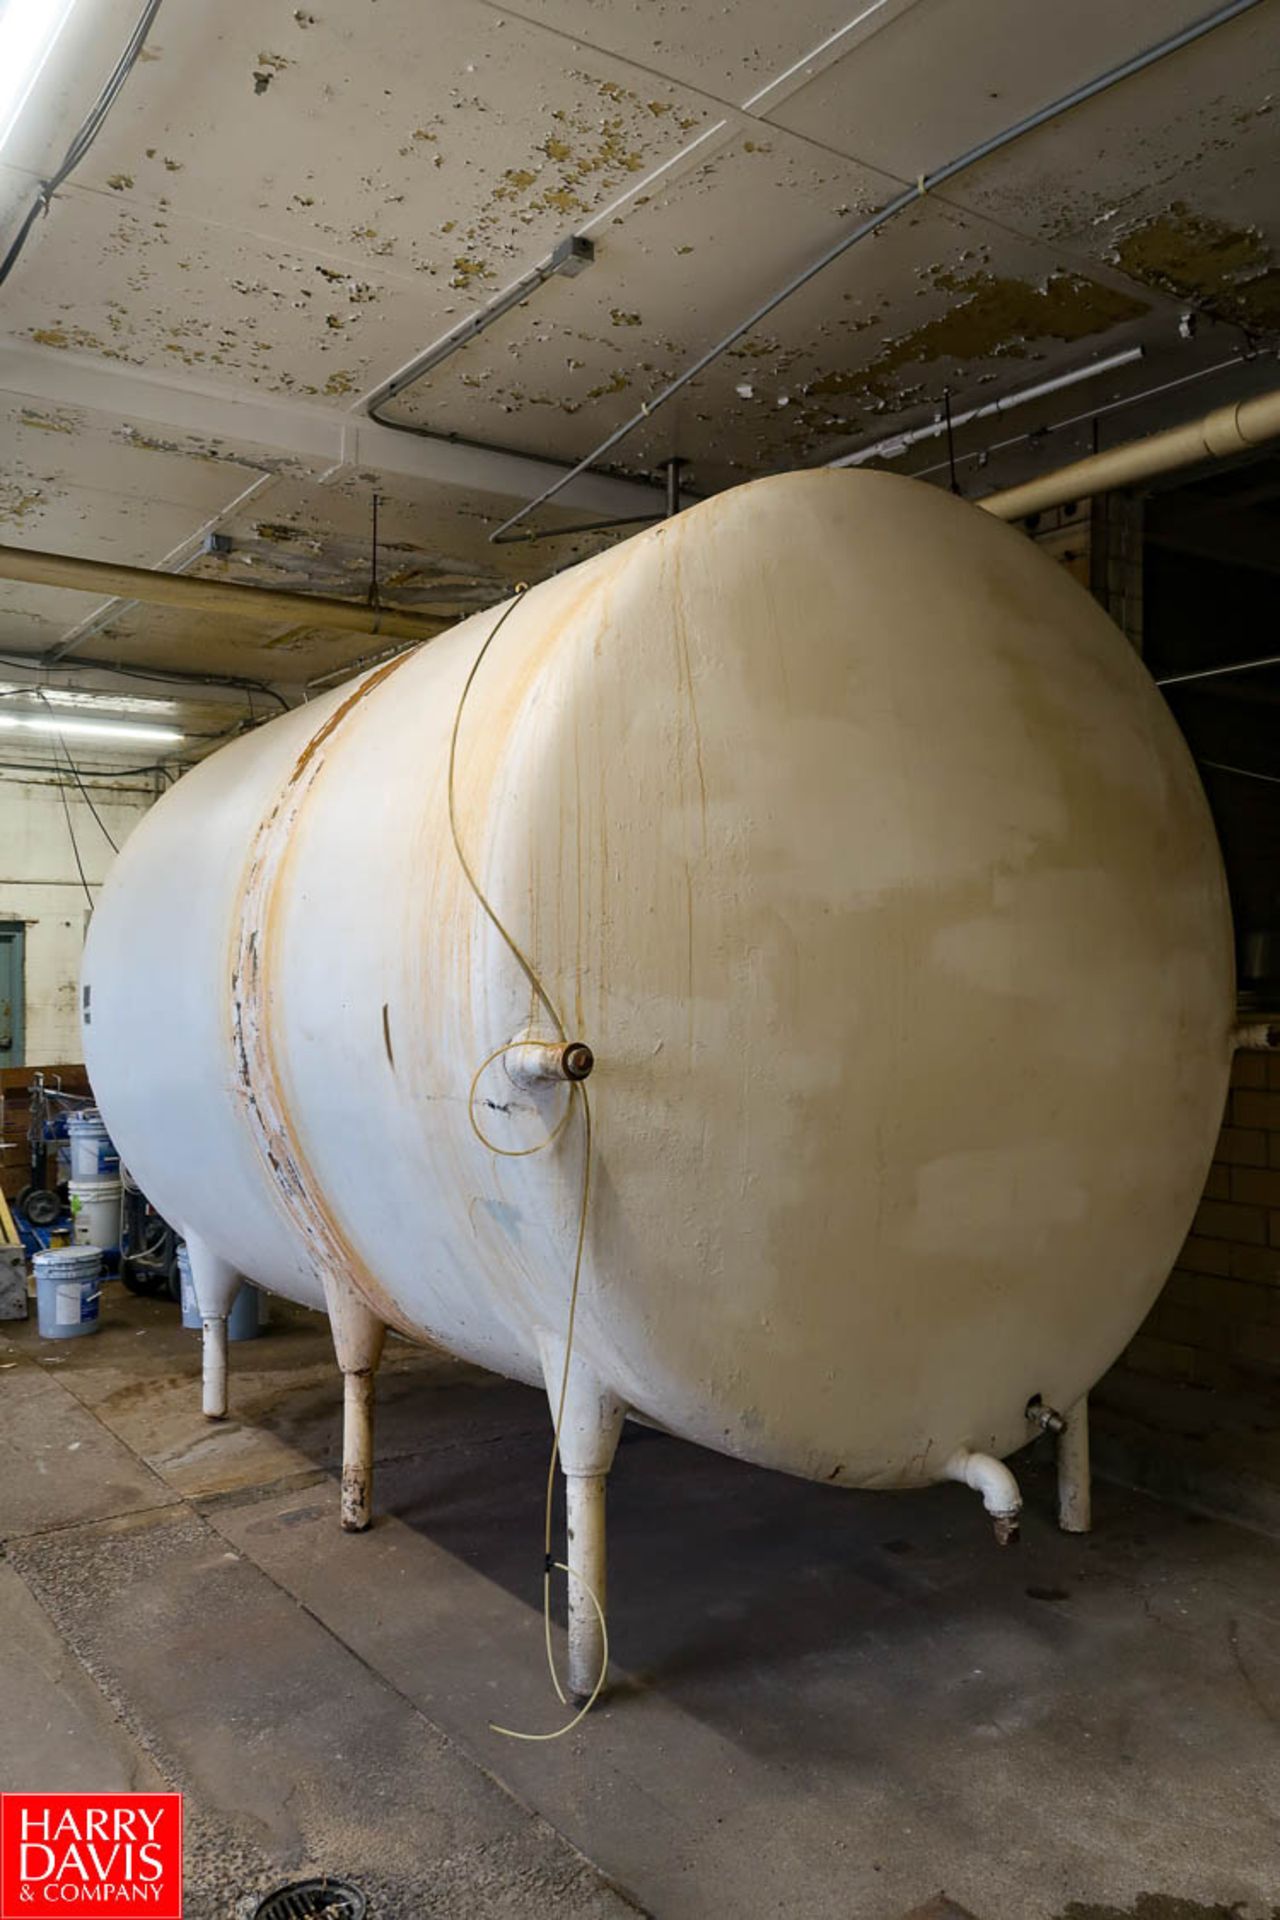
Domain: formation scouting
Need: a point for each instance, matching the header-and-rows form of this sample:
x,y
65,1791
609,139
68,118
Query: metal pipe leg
x,y
215,1285
1075,1504
589,1429
214,1365
587,1563
358,1337
357,1451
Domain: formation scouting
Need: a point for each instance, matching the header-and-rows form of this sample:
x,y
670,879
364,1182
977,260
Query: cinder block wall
x,y
1217,1323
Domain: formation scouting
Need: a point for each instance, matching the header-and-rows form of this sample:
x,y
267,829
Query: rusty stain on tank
x,y
260,1082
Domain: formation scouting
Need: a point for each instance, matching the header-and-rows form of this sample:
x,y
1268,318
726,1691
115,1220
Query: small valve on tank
x,y
1047,1418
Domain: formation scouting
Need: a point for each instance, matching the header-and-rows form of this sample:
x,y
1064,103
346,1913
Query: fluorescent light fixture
x,y
898,443
29,31
91,729
118,705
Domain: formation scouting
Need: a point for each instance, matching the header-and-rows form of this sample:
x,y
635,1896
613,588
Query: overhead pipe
x,y
1090,416
1257,1036
1215,436
270,606
925,183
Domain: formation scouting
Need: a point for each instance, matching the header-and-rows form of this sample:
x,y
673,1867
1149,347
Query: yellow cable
x,y
513,1733
512,1153
479,892
577,1088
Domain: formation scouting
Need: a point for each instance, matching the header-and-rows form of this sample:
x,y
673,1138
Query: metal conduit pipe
x,y
269,605
1214,436
1090,414
1220,673
571,257
895,443
925,183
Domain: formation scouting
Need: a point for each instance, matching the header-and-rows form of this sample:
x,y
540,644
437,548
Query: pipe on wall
x,y
1214,436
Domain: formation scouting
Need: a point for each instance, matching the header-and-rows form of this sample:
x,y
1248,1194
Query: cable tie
x,y
921,188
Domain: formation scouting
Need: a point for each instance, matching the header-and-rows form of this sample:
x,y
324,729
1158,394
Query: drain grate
x,y
313,1900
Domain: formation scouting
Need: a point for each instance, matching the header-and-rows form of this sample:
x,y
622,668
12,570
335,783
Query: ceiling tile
x,y
956,72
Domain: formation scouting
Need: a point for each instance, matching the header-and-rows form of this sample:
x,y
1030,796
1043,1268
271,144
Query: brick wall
x,y
1217,1323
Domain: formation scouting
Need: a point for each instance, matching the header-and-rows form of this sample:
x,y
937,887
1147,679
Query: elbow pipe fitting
x,y
999,1490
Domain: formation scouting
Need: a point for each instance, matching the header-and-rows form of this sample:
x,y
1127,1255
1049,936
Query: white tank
x,y
857,844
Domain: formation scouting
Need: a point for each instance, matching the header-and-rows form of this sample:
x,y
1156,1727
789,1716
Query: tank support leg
x,y
358,1337
215,1285
589,1430
1074,1486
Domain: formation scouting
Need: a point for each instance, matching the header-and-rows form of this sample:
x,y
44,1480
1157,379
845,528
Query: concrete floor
x,y
825,1704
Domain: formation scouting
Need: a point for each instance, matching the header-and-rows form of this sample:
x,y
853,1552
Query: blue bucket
x,y
68,1291
248,1313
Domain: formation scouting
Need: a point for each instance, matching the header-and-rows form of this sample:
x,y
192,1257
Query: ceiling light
x,y
144,705
28,32
91,729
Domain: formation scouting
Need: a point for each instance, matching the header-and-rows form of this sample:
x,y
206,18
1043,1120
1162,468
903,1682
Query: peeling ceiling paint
x,y
289,204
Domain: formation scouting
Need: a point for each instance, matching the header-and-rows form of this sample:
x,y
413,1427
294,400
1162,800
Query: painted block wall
x,y
39,885
1217,1323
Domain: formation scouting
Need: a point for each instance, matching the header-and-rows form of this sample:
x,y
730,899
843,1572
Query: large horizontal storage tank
x,y
854,840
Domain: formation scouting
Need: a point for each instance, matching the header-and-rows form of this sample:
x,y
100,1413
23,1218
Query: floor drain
x,y
313,1900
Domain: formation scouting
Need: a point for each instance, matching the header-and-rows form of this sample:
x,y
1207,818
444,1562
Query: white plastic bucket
x,y
95,1213
93,1157
68,1290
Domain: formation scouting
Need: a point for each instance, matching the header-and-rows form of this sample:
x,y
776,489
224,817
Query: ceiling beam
x,y
328,438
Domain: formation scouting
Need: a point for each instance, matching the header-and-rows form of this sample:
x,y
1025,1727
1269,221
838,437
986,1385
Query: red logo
x,y
113,1855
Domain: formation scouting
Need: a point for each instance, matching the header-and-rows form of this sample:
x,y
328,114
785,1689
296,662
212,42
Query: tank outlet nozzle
x,y
533,1064
999,1490
1047,1418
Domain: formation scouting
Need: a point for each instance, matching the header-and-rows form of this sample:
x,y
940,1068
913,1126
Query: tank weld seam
x,y
254,1050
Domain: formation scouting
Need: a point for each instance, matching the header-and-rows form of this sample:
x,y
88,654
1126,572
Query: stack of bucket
x,y
68,1291
97,1195
248,1311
